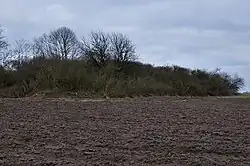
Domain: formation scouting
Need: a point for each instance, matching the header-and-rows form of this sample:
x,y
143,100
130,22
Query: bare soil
x,y
142,131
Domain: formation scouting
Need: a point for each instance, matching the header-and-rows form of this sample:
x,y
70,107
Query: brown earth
x,y
142,131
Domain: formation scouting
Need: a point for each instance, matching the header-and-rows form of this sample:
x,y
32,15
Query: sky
x,y
206,34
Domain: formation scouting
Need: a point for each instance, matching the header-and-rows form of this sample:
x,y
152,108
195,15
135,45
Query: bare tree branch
x,y
3,48
97,48
61,43
65,42
21,52
42,46
122,48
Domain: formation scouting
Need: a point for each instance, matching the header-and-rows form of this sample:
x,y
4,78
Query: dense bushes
x,y
54,75
104,66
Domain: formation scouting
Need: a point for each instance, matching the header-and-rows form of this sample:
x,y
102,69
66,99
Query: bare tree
x,y
65,42
3,48
61,43
237,83
97,48
41,46
21,51
122,48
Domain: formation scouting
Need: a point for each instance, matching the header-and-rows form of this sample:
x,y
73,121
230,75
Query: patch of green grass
x,y
245,95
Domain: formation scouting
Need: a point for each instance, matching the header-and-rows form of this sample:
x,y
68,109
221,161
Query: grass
x,y
245,95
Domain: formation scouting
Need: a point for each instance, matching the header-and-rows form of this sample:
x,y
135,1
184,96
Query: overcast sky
x,y
205,34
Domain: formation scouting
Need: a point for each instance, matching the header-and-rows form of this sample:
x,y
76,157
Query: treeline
x,y
103,65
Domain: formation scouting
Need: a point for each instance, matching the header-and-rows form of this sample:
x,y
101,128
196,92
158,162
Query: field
x,y
141,131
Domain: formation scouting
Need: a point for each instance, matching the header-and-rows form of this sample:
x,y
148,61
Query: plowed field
x,y
141,131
